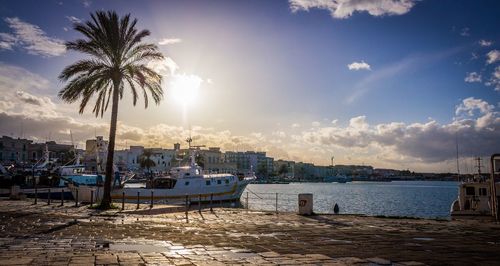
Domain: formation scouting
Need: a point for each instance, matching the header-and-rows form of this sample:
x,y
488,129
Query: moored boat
x,y
181,182
478,197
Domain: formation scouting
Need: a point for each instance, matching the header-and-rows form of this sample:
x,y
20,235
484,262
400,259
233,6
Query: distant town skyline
x,y
389,83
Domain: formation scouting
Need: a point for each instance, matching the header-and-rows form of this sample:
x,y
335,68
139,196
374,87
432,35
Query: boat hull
x,y
131,195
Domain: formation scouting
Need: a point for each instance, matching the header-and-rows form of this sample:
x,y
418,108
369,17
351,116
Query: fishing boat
x,y
181,181
75,173
478,197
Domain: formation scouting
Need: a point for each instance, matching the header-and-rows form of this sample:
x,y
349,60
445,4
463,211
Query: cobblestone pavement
x,y
66,235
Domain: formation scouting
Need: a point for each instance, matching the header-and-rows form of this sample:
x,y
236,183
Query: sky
x,y
388,83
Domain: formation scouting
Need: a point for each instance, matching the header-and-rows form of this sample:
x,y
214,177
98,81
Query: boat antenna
x,y
71,136
478,159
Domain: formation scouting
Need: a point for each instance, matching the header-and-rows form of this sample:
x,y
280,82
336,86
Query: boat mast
x,y
478,159
458,166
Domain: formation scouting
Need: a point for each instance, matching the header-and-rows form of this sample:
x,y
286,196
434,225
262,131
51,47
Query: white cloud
x,y
13,78
279,134
165,67
345,8
34,40
359,66
167,41
358,123
7,41
295,125
315,124
485,43
471,104
465,32
493,56
74,19
472,77
86,3
477,126
495,79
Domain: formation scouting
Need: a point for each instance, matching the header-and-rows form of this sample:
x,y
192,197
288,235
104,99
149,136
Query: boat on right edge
x,y
478,198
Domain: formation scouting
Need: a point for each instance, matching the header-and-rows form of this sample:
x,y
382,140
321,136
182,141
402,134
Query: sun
x,y
184,88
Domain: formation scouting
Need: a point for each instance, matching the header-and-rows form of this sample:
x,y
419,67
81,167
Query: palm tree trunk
x,y
106,199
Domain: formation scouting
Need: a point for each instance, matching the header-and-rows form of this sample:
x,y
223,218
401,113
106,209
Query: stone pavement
x,y
55,235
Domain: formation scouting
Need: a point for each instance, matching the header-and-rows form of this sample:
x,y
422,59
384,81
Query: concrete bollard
x,y
199,203
76,198
246,202
91,198
211,199
62,197
276,203
306,204
36,196
123,200
187,209
48,198
151,205
138,198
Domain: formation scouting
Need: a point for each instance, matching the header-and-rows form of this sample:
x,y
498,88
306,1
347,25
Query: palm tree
x,y
118,59
145,160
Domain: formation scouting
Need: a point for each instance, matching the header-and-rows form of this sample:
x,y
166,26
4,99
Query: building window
x,y
482,192
219,181
187,183
469,191
207,182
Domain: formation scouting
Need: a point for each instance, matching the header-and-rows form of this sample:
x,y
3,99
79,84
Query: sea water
x,y
425,199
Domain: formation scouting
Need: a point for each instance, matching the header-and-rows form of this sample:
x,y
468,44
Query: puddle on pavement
x,y
340,241
423,238
237,235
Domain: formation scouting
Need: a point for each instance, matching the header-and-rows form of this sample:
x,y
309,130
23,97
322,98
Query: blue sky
x,y
275,76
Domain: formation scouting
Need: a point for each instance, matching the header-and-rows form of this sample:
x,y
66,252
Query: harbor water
x,y
424,199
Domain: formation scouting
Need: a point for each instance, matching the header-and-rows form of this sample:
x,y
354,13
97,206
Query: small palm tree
x,y
118,59
145,160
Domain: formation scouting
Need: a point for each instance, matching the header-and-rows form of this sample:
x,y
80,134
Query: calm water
x,y
429,199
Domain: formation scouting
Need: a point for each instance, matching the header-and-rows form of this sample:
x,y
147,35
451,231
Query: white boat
x,y
474,200
181,182
477,198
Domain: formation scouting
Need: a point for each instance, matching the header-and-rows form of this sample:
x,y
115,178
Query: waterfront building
x,y
320,172
163,159
95,154
284,168
24,151
129,159
251,161
14,150
304,171
58,153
